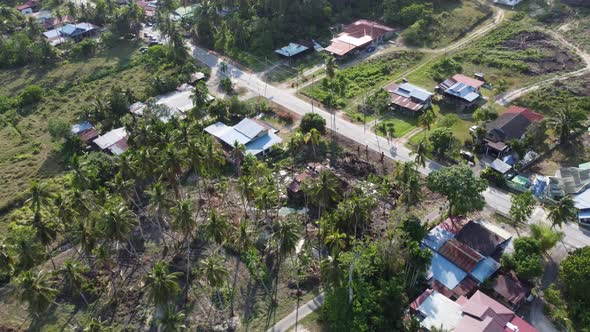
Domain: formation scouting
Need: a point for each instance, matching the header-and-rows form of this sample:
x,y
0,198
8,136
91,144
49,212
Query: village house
x,y
75,32
465,253
477,313
461,90
510,291
258,137
28,7
512,124
149,8
409,99
85,131
294,50
114,141
357,36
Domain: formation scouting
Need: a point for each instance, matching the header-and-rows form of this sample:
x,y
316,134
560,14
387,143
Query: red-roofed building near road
x,y
479,313
512,124
358,35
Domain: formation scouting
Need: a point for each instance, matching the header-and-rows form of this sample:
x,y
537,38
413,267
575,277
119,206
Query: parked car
x,y
371,49
153,43
143,50
472,129
467,156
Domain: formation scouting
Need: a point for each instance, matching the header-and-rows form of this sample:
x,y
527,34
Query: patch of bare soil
x,y
554,57
579,86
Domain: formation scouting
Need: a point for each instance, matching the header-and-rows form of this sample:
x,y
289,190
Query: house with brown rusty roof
x,y
357,36
509,290
512,124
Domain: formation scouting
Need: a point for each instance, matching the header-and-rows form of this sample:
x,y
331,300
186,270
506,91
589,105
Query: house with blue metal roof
x,y
75,32
461,90
258,137
408,98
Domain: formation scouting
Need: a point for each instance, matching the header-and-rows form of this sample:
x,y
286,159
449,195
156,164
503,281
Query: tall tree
x,y
171,320
74,279
521,209
461,188
427,119
563,212
407,180
313,137
566,121
421,154
286,237
162,285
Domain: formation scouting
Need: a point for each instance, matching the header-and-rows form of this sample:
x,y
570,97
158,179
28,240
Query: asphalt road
x,y
304,310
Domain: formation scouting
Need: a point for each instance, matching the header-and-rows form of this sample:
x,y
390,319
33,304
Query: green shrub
x,y
493,177
312,120
32,94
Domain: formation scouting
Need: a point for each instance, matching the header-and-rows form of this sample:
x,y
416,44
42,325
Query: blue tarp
x,y
484,269
509,159
445,271
539,185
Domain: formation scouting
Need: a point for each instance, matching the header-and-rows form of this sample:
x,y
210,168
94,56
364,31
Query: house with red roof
x,y
479,313
357,36
512,124
461,90
28,7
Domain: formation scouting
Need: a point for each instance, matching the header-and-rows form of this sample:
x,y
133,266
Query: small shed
x,y
292,50
499,166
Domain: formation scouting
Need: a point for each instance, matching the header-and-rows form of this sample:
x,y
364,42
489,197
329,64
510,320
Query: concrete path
x,y
304,310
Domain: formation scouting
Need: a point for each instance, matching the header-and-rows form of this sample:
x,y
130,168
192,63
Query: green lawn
x,y
460,128
401,124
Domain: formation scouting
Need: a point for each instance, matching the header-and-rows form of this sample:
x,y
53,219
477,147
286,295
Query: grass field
x,y
460,128
401,124
455,20
26,151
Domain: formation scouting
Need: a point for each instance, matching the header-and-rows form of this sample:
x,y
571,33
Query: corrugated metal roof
x,y
439,311
500,166
437,237
249,128
110,138
263,143
291,49
460,254
447,273
485,268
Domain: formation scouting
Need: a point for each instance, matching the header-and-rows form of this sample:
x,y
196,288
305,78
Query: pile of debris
x,y
354,166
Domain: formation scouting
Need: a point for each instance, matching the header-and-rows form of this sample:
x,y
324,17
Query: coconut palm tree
x,y
237,155
116,223
323,190
216,227
94,325
421,151
427,119
566,122
286,237
313,137
172,163
214,272
242,241
40,196
200,98
45,233
162,285
331,66
295,143
246,185
36,289
171,320
73,278
265,198
563,212
185,223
